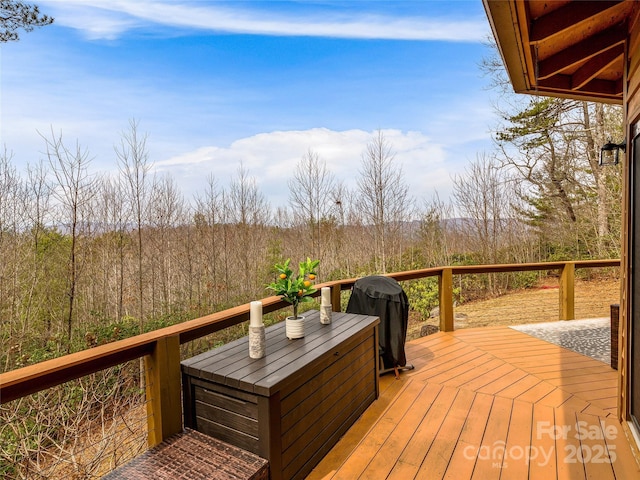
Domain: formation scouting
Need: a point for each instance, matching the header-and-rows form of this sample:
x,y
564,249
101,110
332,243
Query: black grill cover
x,y
384,298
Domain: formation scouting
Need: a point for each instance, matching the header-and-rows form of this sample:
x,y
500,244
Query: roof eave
x,y
502,17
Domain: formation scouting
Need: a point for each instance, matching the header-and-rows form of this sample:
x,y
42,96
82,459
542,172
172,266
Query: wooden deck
x,y
488,403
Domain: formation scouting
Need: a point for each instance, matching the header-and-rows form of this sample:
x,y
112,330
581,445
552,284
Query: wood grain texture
x,y
293,405
520,408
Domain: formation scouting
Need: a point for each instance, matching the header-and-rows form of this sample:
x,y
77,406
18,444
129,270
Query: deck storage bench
x,y
293,405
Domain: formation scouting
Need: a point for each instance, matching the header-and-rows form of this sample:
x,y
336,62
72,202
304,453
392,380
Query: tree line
x,y
88,256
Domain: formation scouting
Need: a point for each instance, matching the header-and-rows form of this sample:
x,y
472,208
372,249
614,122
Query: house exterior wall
x,y
632,116
633,69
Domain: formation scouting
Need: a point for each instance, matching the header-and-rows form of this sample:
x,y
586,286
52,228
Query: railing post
x,y
567,296
445,292
335,298
164,406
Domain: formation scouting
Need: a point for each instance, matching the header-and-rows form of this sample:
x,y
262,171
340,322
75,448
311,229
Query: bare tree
x,y
484,196
114,219
384,200
344,257
134,165
436,231
310,193
209,224
38,198
11,225
248,205
481,197
249,212
38,210
600,123
167,210
74,189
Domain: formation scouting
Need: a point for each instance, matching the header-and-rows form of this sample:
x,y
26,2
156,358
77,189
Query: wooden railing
x,y
161,348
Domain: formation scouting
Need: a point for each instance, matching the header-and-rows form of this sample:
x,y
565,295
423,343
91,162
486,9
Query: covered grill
x,y
384,298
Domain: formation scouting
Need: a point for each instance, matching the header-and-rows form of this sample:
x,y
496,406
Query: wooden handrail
x,y
529,267
500,268
33,378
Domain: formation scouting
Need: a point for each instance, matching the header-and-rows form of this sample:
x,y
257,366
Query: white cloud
x,y
271,158
109,19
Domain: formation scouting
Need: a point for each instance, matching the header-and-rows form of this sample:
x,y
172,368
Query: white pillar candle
x,y
255,317
325,306
326,296
257,342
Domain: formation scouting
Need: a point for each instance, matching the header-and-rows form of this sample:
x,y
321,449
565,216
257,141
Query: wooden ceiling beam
x,y
563,83
619,87
584,50
596,65
596,85
566,17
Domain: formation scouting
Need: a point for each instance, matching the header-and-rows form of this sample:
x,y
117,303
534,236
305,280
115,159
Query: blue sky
x,y
214,84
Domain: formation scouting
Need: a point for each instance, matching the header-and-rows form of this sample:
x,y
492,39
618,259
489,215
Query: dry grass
x,y
592,300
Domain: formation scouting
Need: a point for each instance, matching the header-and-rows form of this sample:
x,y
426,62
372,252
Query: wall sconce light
x,y
610,152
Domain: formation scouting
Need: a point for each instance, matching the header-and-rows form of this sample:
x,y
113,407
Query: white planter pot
x,y
294,327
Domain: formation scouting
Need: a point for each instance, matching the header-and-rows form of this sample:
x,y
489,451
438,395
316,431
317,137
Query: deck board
x,y
421,438
437,459
519,434
460,466
497,428
488,403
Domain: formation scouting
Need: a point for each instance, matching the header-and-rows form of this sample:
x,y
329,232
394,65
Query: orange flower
x,y
283,276
312,276
307,283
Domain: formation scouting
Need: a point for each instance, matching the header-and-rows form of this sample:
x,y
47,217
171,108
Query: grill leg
x,y
396,369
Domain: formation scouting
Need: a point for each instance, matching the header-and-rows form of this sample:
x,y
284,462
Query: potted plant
x,y
295,289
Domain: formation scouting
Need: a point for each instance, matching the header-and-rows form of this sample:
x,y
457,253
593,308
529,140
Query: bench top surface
x,y
285,359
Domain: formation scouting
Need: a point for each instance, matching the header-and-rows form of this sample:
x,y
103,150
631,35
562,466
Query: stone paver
x,y
590,337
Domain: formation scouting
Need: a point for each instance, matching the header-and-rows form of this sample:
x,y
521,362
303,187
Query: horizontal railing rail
x,y
161,348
